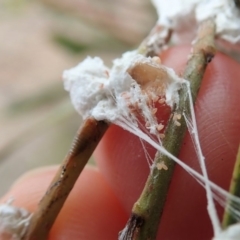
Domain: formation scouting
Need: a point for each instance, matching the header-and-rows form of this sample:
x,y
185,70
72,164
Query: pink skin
x,y
101,201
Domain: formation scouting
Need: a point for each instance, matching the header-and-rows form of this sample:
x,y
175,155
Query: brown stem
x,y
49,207
149,207
154,43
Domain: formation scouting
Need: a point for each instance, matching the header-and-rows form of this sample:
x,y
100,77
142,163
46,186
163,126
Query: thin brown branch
x,y
149,207
154,43
49,207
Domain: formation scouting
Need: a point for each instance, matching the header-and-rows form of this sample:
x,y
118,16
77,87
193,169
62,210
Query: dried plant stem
x,y
155,42
85,142
228,219
146,213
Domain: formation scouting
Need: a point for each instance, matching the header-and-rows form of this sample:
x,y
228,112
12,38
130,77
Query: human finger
x,y
91,211
121,157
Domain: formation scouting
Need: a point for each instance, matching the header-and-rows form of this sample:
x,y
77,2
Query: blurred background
x,y
38,40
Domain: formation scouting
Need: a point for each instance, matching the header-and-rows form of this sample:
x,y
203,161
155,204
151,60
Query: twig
x,y
146,213
87,139
155,42
228,219
49,207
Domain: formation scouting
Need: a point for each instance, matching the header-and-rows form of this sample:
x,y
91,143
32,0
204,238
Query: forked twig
x,y
147,211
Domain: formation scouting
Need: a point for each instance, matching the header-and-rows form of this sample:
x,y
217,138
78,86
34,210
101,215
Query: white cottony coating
x,y
226,15
183,16
169,12
91,87
231,233
105,94
116,96
134,83
13,221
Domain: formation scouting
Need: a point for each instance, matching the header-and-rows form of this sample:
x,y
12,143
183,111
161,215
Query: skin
x,y
101,201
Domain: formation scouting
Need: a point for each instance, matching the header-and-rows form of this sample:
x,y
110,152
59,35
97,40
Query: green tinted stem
x,y
147,211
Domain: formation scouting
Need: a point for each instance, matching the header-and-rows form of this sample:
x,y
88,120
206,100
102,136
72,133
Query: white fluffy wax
x,y
13,221
100,92
88,80
107,94
183,16
231,233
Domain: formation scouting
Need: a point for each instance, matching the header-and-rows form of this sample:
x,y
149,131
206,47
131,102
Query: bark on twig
x,y
49,207
228,218
155,42
149,206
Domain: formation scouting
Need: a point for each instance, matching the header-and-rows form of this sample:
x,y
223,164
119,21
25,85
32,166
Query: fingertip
x,y
122,159
120,155
91,211
218,123
30,187
176,57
